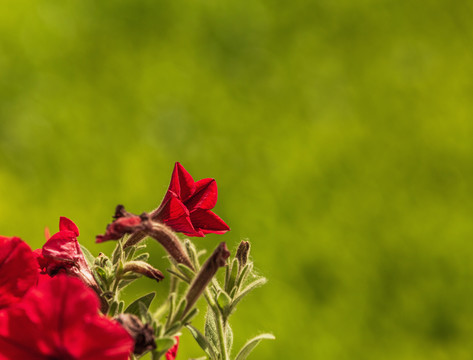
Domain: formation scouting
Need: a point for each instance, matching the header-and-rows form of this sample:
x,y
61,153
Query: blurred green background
x,y
339,132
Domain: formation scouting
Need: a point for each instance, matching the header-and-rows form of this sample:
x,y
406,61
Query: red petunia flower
x,y
62,254
59,320
18,270
120,227
187,205
172,352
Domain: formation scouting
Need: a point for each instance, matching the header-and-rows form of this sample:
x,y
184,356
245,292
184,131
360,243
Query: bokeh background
x,y
339,132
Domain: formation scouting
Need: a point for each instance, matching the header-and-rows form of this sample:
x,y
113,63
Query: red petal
x,y
115,343
61,246
208,222
60,318
205,195
18,270
172,209
67,224
172,352
120,227
182,183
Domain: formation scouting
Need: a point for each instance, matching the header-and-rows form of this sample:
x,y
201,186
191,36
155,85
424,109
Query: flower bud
x,y
206,273
143,268
243,252
142,334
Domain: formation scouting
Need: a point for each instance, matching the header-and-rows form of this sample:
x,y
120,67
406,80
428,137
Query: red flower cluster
x,y
58,318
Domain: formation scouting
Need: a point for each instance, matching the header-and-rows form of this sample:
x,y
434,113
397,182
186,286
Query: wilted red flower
x,y
187,204
18,270
120,227
62,254
172,352
59,320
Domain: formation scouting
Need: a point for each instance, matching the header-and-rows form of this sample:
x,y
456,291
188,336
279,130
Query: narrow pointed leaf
x,y
190,315
142,257
202,341
88,256
134,307
117,253
257,283
251,344
211,332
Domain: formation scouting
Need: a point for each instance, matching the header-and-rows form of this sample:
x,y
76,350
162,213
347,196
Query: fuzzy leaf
x,y
223,300
144,313
190,248
180,308
129,252
228,337
117,253
174,328
101,272
232,276
257,283
164,343
211,331
178,275
190,315
134,307
243,274
251,344
202,341
186,271
142,257
112,311
121,305
88,256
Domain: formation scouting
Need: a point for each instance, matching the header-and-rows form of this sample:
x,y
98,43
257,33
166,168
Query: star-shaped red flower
x,y
187,205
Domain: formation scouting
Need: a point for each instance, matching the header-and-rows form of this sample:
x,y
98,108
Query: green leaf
x,y
162,346
112,311
102,273
223,300
134,307
117,252
186,271
243,274
257,283
142,257
121,305
228,337
202,341
88,256
171,301
174,328
144,313
129,252
251,344
210,328
190,248
190,315
176,274
180,309
232,277
165,343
